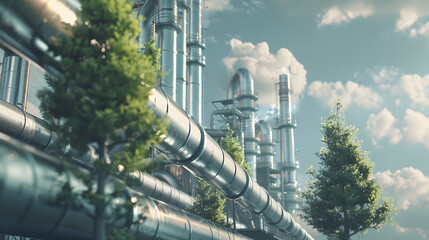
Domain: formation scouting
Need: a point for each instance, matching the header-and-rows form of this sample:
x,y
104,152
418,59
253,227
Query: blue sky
x,y
372,54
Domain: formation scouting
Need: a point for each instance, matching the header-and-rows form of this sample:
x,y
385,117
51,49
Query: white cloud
x,y
417,88
265,67
351,93
416,127
409,186
382,126
382,74
338,15
213,6
407,18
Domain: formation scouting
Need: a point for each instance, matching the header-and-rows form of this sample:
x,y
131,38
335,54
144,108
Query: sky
x,y
373,55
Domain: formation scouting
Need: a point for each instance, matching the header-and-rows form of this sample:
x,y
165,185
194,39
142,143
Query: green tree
x,y
101,97
232,146
208,203
342,199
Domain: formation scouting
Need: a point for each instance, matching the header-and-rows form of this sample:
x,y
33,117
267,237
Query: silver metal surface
x,y
31,179
241,90
181,78
14,79
204,158
14,121
196,61
166,26
264,133
287,148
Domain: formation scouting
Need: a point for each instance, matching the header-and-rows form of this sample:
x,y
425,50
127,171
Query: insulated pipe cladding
x,y
22,125
181,78
187,144
287,148
31,180
241,90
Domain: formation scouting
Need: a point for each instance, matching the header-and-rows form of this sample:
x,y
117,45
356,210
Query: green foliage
x,y
101,97
232,146
208,203
342,199
102,94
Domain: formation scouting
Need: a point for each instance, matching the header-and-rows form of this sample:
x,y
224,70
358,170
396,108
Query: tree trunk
x,y
100,220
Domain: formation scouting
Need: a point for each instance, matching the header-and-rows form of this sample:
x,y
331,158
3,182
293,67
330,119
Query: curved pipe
x,y
166,177
30,179
241,90
187,144
264,133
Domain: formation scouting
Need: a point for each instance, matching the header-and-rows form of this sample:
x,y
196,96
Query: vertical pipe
x,y
287,149
14,79
182,13
196,61
167,28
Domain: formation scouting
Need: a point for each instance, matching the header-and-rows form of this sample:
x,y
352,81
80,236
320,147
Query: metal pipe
x,y
167,26
31,181
241,90
20,124
228,112
287,148
264,133
196,61
14,121
187,144
182,13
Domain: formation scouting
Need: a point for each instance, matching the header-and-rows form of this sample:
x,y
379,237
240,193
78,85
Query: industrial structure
x,y
29,177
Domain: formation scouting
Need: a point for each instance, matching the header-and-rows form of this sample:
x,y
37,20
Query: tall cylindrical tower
x,y
167,28
196,61
241,91
182,13
287,148
264,133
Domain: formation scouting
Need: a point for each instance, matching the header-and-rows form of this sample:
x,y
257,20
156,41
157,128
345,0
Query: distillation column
x,y
196,61
287,148
167,29
241,91
182,13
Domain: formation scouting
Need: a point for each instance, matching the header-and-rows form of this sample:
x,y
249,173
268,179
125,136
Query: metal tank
x,y
287,148
196,61
265,134
242,92
31,181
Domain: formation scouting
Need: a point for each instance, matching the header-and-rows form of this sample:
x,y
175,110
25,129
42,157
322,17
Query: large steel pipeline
x,y
17,123
241,90
30,204
186,142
